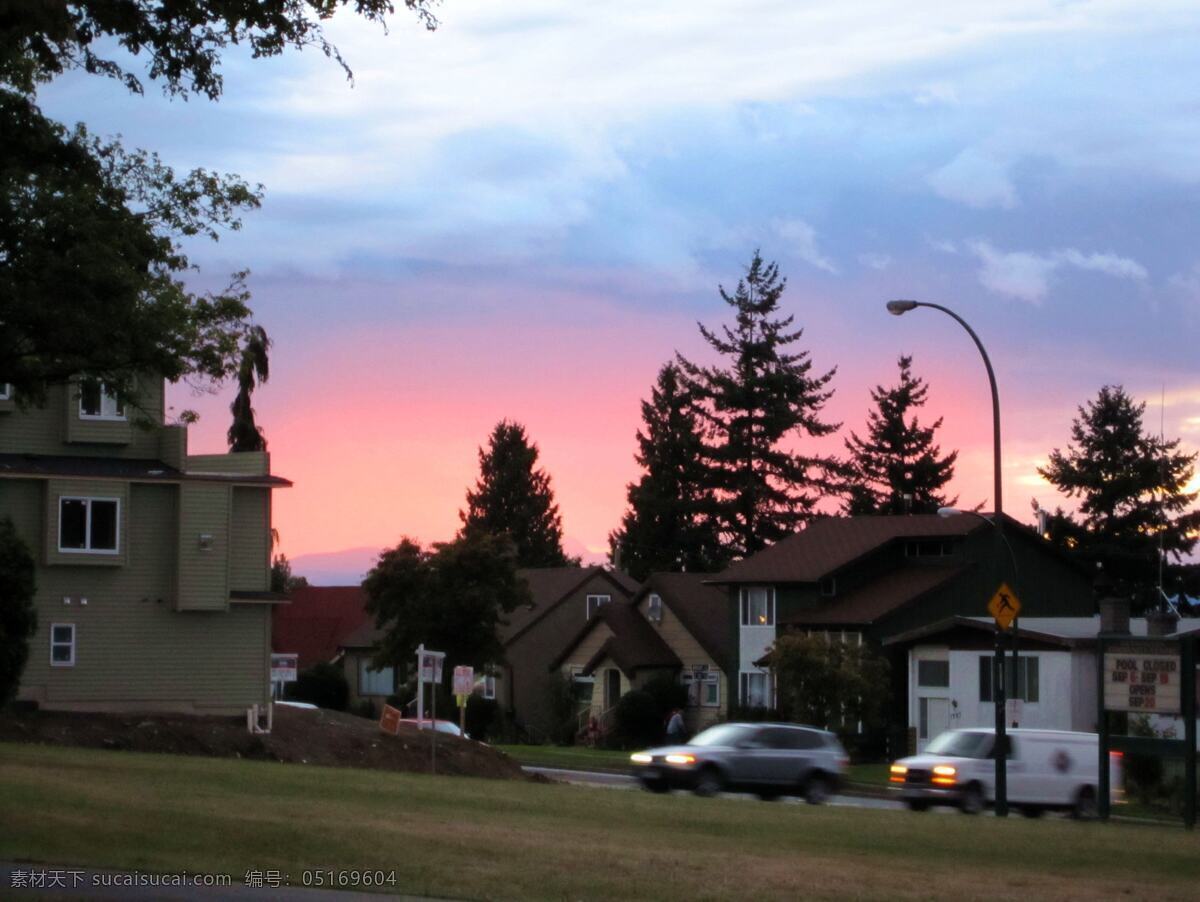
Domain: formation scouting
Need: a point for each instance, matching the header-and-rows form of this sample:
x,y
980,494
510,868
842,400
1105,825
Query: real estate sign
x,y
1142,679
283,668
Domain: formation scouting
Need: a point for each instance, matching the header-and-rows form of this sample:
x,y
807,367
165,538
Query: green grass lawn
x,y
474,839
569,757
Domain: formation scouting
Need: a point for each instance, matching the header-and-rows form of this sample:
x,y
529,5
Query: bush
x,y
637,720
482,717
18,618
564,709
668,694
323,685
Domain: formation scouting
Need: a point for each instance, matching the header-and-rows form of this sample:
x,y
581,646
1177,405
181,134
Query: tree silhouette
x,y
897,468
244,434
667,526
759,398
513,498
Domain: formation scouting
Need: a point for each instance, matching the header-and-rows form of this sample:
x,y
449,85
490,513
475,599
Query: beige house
x,y
563,600
153,565
675,625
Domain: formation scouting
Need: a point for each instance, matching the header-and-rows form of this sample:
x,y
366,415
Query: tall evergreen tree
x,y
1132,493
244,434
513,498
761,397
665,527
897,468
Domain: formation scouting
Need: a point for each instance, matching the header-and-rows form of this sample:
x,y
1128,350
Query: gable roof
x,y
318,622
868,603
702,609
829,543
549,587
634,644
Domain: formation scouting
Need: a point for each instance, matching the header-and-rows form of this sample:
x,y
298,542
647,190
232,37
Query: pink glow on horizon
x,y
379,429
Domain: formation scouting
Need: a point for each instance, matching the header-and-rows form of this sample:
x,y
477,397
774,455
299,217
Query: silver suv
x,y
769,759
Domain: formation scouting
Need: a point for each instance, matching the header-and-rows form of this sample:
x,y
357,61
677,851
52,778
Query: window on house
x,y
703,686
594,602
1027,687
756,689
62,645
829,586
5,391
89,525
758,606
654,609
933,673
582,686
922,718
97,403
927,548
375,682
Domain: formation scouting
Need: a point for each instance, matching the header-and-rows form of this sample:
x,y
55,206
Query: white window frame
x,y
111,409
744,604
654,608
709,679
744,687
69,644
594,602
366,673
87,525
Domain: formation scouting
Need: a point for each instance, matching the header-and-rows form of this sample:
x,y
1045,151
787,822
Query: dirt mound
x,y
300,736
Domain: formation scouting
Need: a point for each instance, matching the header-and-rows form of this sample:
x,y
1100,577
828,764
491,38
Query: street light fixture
x,y
899,308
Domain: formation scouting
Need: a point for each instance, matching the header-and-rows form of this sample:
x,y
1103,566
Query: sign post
x,y
464,685
429,670
1004,608
283,670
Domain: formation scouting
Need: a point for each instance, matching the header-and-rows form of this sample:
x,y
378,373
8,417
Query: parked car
x,y
769,759
442,726
1047,770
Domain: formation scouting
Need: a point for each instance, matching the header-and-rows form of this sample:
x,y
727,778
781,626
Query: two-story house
x,y
153,565
867,579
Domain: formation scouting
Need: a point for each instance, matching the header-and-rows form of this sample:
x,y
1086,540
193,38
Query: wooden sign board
x,y
389,720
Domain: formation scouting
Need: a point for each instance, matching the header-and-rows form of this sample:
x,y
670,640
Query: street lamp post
x,y
898,308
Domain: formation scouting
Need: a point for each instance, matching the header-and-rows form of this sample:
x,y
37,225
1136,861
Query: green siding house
x,y
153,566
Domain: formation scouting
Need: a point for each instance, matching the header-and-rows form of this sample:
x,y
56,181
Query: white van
x,y
1047,770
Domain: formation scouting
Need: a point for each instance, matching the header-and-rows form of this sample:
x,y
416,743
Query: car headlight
x,y
897,773
640,758
680,759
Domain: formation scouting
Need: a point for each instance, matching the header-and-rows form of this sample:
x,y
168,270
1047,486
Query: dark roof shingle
x,y
318,622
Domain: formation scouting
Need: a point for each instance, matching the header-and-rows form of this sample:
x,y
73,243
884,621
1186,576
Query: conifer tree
x,y
1132,493
897,468
754,404
666,527
513,498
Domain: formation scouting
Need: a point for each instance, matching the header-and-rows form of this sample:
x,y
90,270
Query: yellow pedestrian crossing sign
x,y
1004,606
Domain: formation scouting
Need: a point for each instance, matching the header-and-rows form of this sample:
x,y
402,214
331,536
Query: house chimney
x,y
1114,610
1161,623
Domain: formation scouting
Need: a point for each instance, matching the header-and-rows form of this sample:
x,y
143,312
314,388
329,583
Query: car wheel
x,y
709,782
1085,808
817,790
971,801
917,805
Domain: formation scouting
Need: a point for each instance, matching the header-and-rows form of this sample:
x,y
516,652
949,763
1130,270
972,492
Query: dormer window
x,y
654,608
758,606
594,602
927,548
96,402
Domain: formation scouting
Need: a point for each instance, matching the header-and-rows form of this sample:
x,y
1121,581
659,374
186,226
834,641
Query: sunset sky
x,y
525,213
